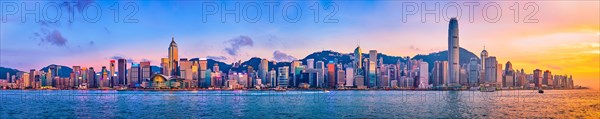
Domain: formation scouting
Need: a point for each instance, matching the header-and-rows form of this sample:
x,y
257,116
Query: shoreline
x,y
282,90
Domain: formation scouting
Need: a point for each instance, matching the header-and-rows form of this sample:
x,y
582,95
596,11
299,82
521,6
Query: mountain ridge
x,y
325,56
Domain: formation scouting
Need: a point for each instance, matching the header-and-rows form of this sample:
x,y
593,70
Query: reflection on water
x,y
299,104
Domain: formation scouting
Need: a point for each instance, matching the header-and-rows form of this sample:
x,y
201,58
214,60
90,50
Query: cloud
x,y
145,60
117,57
218,58
236,44
55,38
412,47
281,56
46,23
554,67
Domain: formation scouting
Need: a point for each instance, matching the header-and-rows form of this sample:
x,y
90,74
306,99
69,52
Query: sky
x,y
560,36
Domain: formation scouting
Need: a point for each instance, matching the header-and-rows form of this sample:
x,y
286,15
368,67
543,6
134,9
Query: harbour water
x,y
299,104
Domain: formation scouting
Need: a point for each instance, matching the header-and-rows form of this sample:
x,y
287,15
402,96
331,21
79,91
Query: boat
x,y
122,89
488,90
540,91
327,91
280,89
474,88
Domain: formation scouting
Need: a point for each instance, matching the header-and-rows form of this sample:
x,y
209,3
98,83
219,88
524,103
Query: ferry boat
x,y
122,89
280,89
488,90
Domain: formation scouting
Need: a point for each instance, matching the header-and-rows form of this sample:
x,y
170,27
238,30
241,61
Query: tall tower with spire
x,y
484,55
173,58
453,53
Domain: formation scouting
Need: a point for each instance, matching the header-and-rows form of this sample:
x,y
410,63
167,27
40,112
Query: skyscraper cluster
x,y
364,71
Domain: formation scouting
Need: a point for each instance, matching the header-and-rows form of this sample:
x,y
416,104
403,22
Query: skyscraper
x,y
440,73
499,74
134,75
164,66
372,76
473,71
547,78
146,71
537,77
204,80
186,72
32,77
263,69
349,77
26,80
112,79
373,56
122,80
104,78
92,80
341,77
358,61
195,71
185,69
320,67
310,63
453,52
521,79
509,76
484,55
423,75
295,64
392,74
173,57
76,80
331,75
373,70
272,78
251,76
83,78
491,69
463,75
283,77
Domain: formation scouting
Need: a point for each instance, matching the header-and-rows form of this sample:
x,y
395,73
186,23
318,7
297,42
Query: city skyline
x,y
92,52
299,59
402,73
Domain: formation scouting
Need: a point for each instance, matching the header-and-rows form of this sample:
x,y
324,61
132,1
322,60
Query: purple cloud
x,y
117,57
218,58
281,56
55,38
237,43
